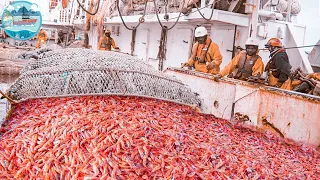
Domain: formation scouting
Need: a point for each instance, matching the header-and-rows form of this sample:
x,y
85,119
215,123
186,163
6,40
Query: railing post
x,y
203,3
288,18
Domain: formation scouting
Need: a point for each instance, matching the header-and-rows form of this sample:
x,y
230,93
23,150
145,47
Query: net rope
x,y
76,71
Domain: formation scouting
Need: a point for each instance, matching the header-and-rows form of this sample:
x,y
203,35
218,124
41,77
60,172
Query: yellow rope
x,y
7,97
9,113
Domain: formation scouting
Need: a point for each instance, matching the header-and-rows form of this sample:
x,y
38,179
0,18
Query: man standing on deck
x,y
206,56
60,37
278,68
106,42
72,35
42,37
245,64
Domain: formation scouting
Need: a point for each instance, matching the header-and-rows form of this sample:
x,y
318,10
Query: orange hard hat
x,y
274,42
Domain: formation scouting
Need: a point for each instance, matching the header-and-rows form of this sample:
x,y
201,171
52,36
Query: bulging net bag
x,y
75,71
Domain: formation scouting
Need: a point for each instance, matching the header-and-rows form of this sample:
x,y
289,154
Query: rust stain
x,y
313,52
271,125
216,104
241,118
289,124
238,35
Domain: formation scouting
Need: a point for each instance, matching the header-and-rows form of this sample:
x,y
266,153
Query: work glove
x,y
210,66
184,65
278,85
255,79
217,77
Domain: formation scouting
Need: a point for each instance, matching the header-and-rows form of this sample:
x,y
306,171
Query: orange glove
x,y
217,77
211,65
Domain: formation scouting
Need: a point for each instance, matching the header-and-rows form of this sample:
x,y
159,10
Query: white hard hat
x,y
252,41
200,31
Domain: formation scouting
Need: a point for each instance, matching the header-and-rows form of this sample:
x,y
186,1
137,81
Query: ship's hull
x,y
289,114
25,22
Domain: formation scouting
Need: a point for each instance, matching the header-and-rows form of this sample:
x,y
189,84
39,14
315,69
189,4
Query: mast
x,y
254,18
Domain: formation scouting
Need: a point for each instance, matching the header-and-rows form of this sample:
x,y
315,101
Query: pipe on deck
x,y
265,13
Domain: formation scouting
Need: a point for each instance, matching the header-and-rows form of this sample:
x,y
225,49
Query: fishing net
x,y
75,71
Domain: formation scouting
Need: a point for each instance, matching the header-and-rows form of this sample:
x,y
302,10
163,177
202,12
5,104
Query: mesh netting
x,y
295,7
82,71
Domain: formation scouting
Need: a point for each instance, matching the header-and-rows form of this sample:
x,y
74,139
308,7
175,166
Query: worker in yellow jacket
x,y
245,64
106,42
206,56
42,37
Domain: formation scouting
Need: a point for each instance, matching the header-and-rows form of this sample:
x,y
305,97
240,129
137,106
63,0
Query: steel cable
x,y
205,6
96,11
295,47
141,20
190,12
164,27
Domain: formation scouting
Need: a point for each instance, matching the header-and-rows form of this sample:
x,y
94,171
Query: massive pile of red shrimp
x,y
138,138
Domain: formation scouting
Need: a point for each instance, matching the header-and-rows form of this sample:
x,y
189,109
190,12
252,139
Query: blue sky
x,y
310,16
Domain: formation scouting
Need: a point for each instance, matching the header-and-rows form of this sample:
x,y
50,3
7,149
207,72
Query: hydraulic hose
x,y
91,13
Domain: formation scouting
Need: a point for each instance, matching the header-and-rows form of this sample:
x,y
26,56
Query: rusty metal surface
x,y
314,58
296,118
249,84
11,53
213,103
11,66
290,114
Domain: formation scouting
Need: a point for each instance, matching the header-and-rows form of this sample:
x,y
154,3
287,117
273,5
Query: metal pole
x,y
203,3
234,41
288,18
254,18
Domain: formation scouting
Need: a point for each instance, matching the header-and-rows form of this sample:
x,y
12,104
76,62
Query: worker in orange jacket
x,y
206,56
106,42
278,68
245,64
42,37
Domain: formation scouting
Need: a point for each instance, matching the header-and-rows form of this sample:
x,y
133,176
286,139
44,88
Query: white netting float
x,y
295,7
75,71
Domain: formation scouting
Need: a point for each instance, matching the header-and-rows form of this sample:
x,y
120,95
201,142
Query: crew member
x,y
60,37
206,56
106,42
278,68
42,37
245,64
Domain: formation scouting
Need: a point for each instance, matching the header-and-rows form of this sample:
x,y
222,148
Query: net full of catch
x,y
77,71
